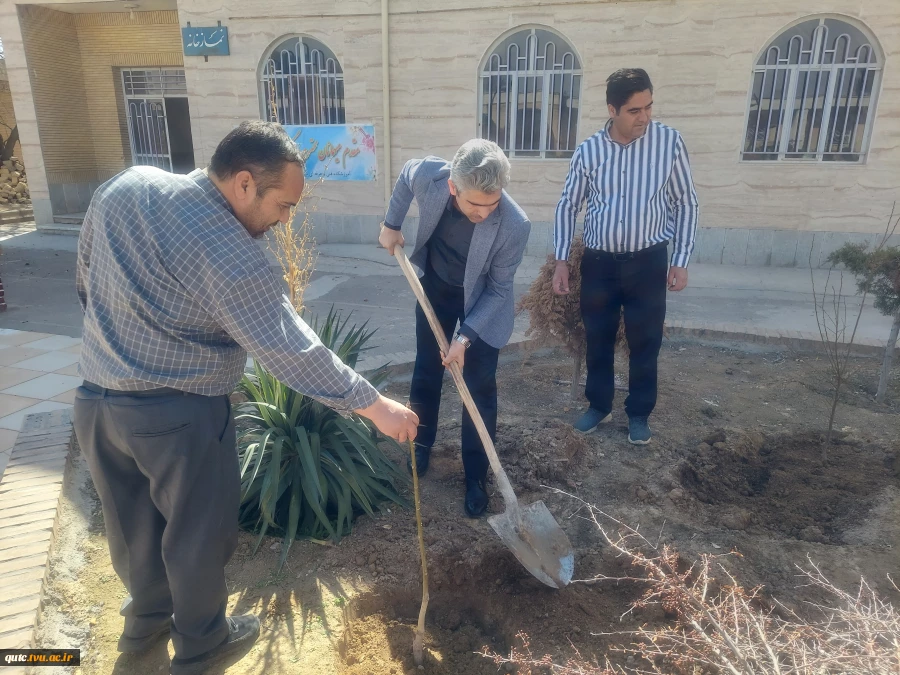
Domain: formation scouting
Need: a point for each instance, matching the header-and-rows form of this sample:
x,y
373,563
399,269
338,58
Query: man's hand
x,y
457,353
561,278
678,279
392,419
390,238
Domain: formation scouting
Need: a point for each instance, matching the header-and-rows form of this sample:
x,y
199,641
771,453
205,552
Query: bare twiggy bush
x,y
878,274
292,243
294,247
556,319
721,627
834,322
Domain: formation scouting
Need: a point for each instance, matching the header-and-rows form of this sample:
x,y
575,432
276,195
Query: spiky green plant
x,y
307,471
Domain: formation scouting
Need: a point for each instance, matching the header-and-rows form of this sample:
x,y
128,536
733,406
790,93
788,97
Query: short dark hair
x,y
625,83
262,148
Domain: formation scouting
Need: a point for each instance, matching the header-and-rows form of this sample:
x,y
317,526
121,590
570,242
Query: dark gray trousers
x,y
165,467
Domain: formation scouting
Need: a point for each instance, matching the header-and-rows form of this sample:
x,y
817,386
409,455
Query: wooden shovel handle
x,y
503,483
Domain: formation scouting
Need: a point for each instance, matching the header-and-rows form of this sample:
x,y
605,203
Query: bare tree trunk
x,y
576,377
10,146
839,381
888,360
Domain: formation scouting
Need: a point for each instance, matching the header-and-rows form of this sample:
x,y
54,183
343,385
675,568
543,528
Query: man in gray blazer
x,y
471,238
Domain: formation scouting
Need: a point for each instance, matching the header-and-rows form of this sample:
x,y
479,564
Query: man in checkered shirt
x,y
175,292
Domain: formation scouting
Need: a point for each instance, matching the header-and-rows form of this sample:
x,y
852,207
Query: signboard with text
x,y
211,41
337,151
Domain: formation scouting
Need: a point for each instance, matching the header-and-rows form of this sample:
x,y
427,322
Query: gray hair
x,y
480,165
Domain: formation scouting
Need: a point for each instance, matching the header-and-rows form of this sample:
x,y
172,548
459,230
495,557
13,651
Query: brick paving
x,y
30,491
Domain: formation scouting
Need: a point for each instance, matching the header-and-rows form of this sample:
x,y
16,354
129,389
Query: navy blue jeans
x,y
479,373
610,282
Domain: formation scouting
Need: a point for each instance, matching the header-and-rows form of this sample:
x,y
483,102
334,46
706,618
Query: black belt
x,y
146,393
628,255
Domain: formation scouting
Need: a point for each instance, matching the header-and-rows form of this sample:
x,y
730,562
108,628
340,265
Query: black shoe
x,y
423,455
243,633
131,645
476,497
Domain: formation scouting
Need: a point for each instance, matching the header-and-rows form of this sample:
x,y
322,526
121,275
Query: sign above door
x,y
209,41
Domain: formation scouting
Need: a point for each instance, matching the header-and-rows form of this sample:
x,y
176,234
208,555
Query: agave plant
x,y
307,471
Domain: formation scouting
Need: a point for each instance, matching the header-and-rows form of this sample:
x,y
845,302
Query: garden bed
x,y
735,464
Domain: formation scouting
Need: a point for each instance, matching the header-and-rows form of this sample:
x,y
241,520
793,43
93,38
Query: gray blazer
x,y
497,247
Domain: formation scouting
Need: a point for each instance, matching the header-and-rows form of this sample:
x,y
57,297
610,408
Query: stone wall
x,y
700,54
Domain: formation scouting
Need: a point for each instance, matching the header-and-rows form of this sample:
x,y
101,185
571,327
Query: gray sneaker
x,y
590,420
638,431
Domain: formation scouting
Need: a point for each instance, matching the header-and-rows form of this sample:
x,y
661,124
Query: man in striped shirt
x,y
635,176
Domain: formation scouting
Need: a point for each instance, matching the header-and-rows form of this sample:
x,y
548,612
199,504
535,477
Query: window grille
x,y
302,83
813,95
530,95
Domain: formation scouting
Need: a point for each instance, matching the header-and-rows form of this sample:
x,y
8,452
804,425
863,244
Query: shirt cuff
x,y
468,332
680,259
392,227
362,395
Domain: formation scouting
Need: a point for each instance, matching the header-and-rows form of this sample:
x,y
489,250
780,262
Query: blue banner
x,y
212,41
337,151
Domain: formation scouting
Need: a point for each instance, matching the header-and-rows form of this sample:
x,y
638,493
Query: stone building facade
x,y
790,111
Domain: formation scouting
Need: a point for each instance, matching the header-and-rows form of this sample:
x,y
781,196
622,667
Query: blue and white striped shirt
x,y
638,195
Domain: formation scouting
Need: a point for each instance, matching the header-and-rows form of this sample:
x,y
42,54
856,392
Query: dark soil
x,y
735,464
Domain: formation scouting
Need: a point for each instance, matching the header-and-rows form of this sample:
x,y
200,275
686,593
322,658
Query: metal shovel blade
x,y
538,542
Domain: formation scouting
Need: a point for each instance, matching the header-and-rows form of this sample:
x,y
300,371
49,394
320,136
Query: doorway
x,y
159,119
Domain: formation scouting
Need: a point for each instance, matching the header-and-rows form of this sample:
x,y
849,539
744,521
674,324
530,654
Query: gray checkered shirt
x,y
175,292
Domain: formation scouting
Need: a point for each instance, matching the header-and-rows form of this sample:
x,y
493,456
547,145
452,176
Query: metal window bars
x,y
154,82
303,83
813,95
530,95
146,91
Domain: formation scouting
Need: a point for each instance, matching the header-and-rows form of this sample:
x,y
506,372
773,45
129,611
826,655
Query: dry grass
x,y
722,627
294,247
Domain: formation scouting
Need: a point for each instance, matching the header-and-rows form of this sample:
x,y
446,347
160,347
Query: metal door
x,y
145,107
148,133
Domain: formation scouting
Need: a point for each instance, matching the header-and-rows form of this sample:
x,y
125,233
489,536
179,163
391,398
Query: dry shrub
x,y
555,320
293,244
721,627
294,247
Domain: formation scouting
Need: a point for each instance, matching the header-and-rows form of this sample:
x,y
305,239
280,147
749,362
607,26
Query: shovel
x,y
530,532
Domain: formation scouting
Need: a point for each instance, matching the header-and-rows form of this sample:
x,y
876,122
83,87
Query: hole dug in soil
x,y
380,630
481,603
780,483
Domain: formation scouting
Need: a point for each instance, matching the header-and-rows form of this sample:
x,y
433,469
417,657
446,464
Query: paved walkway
x,y
753,300
38,373
38,276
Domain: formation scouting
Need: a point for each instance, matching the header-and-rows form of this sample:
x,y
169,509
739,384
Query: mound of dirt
x,y
781,483
544,453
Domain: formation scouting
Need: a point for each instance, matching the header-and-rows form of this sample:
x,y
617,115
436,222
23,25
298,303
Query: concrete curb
x,y
401,363
30,491
791,339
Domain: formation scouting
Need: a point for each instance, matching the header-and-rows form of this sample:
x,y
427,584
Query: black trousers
x,y
165,466
479,373
637,283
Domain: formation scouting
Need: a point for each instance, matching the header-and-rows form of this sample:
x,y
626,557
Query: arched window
x,y
530,95
302,83
813,94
